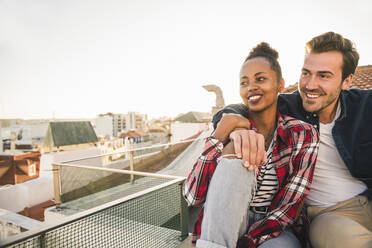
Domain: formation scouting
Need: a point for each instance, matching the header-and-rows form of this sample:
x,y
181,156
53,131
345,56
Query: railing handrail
x,y
136,173
134,149
48,227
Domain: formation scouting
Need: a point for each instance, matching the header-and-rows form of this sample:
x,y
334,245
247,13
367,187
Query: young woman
x,y
248,204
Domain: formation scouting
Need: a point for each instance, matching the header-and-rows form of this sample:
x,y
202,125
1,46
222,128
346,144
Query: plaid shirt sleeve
x,y
196,185
287,204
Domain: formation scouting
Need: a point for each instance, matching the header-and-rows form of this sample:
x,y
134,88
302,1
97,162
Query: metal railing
x,y
156,216
85,176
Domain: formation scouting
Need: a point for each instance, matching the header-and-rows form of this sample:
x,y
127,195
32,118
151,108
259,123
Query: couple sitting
x,y
255,172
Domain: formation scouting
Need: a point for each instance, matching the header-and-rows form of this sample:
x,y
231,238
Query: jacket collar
x,y
342,100
343,105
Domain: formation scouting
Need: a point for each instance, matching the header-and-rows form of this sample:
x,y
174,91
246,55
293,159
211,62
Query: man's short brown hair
x,y
331,41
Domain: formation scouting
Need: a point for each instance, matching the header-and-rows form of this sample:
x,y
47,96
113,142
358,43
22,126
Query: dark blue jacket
x,y
352,131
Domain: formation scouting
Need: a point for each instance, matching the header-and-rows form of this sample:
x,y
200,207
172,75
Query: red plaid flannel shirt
x,y
294,153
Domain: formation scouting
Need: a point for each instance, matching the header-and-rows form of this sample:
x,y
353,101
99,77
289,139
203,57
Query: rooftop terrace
x,y
139,209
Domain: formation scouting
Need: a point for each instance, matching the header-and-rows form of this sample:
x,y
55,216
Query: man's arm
x,y
240,109
249,145
236,127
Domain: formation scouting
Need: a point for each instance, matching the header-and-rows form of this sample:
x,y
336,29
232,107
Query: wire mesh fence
x,y
150,219
113,208
78,182
85,188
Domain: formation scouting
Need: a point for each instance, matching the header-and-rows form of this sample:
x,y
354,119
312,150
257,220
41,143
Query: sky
x,y
81,58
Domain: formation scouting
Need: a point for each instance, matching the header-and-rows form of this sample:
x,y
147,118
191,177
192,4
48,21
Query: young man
x,y
339,203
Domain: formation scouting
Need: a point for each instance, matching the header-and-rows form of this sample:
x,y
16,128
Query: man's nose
x,y
312,83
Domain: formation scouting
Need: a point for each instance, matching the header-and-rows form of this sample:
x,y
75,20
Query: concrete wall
x,y
181,131
103,126
27,194
39,190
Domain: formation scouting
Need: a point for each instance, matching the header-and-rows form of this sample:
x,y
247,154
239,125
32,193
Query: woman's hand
x,y
250,146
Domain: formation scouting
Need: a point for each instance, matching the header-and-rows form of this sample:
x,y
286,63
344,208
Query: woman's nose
x,y
252,87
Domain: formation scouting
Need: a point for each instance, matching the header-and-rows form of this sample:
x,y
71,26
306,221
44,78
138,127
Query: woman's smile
x,y
254,98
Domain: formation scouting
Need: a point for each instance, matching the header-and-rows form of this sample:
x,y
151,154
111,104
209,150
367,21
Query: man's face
x,y
321,83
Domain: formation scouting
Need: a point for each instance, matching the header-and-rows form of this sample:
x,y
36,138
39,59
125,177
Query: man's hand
x,y
250,146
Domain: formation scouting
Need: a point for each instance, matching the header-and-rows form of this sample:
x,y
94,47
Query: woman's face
x,y
259,86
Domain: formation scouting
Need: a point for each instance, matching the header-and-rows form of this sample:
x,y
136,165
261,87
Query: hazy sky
x,y
80,58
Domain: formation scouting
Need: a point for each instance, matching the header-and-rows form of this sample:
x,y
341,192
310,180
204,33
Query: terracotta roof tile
x,y
363,77
133,133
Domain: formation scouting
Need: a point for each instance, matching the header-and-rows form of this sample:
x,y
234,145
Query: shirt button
x,y
316,126
314,115
307,117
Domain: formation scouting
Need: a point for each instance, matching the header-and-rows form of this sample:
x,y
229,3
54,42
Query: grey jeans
x,y
226,210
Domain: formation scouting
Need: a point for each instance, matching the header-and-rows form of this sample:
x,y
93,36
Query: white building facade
x,y
181,131
120,123
103,125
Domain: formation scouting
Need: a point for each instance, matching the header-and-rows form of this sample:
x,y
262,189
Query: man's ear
x,y
347,82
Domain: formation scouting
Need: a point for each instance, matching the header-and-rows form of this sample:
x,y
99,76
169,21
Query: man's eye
x,y
259,79
304,74
324,76
243,83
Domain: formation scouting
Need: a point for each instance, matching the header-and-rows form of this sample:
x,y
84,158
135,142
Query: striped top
x,y
267,181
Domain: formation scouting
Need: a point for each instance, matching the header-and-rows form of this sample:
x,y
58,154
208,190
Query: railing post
x,y
131,165
57,185
184,215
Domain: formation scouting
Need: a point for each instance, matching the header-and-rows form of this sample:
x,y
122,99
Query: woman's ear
x,y
281,85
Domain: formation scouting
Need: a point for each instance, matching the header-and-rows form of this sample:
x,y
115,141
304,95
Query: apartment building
x,y
120,123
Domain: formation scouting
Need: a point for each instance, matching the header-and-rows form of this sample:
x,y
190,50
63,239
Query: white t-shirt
x,y
332,181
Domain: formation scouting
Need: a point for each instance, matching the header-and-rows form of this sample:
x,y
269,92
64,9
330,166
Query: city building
x,y
188,125
19,167
22,136
72,135
120,123
103,125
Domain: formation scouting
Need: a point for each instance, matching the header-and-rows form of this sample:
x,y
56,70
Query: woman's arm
x,y
196,184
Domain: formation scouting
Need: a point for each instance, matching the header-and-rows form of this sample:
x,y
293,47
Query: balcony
x,y
99,206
